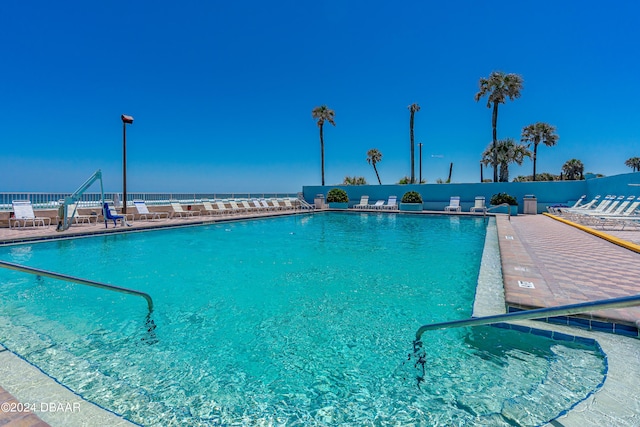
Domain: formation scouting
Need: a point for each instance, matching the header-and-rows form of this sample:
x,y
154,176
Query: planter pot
x,y
336,205
413,207
502,209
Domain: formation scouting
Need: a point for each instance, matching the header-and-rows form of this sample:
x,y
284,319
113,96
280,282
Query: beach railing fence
x,y
92,200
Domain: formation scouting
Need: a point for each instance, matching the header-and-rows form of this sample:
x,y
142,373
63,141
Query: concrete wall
x,y
436,196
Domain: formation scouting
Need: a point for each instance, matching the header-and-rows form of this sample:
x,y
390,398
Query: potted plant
x,y
337,198
501,198
411,201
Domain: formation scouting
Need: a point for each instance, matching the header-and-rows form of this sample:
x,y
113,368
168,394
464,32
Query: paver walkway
x,y
566,266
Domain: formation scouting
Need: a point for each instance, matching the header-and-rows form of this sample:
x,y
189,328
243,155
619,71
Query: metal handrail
x,y
535,314
497,206
45,273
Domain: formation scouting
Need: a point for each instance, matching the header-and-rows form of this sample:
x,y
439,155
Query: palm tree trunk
x,y
535,156
494,124
413,174
378,176
322,154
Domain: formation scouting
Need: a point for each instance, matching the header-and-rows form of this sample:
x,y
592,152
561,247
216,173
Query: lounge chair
x,y
235,207
288,204
480,205
23,212
364,203
222,207
145,214
276,205
267,206
208,208
74,215
177,210
377,205
258,205
110,214
392,204
454,204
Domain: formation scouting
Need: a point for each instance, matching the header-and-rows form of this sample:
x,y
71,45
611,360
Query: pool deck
x,y
557,263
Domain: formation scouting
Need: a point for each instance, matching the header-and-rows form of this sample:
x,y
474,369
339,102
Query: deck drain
x,y
508,237
528,285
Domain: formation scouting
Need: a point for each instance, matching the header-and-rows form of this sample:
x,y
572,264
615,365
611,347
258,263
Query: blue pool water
x,y
304,320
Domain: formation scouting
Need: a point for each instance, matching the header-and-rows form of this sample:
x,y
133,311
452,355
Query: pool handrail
x,y
67,278
538,313
497,206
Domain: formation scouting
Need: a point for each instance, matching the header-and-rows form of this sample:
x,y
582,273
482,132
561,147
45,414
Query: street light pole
x,y
420,167
125,120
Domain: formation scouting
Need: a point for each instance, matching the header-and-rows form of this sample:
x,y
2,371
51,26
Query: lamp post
x,y
420,167
125,120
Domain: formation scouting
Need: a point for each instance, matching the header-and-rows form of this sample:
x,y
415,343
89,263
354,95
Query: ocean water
x,y
304,320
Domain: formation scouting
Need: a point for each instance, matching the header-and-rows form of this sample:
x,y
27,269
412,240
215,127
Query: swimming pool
x,y
304,320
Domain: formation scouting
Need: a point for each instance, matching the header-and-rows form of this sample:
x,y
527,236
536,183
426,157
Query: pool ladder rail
x,y
498,206
67,278
540,313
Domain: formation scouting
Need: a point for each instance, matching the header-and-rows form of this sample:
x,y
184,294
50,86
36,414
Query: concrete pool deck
x,y
565,265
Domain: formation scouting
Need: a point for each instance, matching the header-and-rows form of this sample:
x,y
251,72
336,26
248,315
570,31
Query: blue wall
x,y
436,196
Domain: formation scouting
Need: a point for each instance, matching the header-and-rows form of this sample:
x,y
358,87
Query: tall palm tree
x,y
498,86
573,169
508,151
413,108
374,156
633,163
537,133
321,114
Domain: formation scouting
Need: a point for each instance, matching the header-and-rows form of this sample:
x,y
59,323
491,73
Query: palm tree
x,y
374,156
321,114
498,86
537,133
573,169
412,108
354,180
633,163
508,151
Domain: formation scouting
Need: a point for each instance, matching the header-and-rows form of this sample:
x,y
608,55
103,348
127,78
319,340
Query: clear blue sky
x,y
222,91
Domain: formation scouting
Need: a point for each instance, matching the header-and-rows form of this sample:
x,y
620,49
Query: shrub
x,y
500,198
412,197
337,195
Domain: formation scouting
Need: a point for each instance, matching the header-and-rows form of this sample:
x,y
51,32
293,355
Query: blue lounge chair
x,y
111,214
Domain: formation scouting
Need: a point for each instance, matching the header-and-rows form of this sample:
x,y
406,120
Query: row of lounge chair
x,y
609,212
24,216
392,204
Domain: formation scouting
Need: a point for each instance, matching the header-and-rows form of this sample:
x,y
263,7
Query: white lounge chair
x,y
222,207
276,205
288,204
266,206
258,205
208,208
454,204
235,207
23,212
377,205
364,203
145,214
74,216
479,205
247,207
177,210
392,204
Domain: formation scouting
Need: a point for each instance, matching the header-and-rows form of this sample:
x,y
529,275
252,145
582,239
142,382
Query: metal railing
x,y
45,273
500,205
539,313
